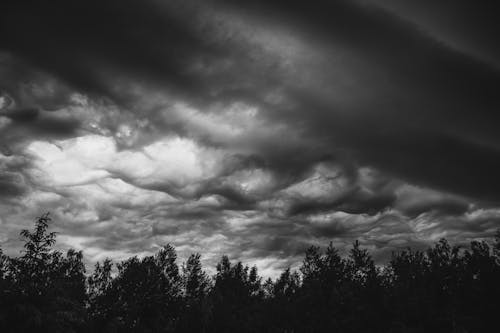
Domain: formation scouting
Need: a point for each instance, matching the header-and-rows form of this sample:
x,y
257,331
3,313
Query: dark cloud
x,y
26,87
11,185
356,202
168,42
416,201
464,24
335,120
427,107
13,180
75,41
40,125
410,83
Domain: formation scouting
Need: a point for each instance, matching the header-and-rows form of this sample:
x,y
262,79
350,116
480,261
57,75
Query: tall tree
x,y
47,288
196,284
196,281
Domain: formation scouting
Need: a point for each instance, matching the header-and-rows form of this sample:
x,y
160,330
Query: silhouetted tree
x,y
443,289
235,298
196,281
196,284
46,289
145,296
282,310
100,297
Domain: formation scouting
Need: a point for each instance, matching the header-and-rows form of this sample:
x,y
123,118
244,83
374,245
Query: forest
x,y
445,288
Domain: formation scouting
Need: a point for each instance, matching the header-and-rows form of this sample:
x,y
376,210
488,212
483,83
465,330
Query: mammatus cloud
x,y
248,128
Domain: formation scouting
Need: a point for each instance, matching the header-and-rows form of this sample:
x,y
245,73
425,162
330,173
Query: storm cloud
x,y
249,128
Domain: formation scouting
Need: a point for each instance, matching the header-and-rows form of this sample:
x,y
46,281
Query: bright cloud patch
x,y
85,159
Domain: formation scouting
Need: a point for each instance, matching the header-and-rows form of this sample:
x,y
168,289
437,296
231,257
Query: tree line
x,y
443,289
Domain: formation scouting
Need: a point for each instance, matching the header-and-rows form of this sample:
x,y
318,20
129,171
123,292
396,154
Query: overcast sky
x,y
249,128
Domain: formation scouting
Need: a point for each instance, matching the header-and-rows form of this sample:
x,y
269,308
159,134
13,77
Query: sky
x,y
249,128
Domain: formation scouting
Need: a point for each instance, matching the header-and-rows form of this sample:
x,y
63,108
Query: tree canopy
x,y
443,289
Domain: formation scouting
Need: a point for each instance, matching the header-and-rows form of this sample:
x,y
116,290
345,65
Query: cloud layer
x,y
248,128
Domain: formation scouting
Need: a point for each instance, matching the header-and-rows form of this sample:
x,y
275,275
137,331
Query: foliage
x,y
43,290
443,289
